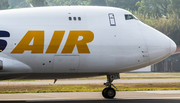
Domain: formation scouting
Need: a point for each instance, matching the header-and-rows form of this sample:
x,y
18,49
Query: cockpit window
x,y
129,17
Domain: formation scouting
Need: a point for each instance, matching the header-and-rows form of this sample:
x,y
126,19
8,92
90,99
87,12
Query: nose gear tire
x,y
109,93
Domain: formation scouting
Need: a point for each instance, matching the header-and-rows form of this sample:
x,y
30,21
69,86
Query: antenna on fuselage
x,y
31,5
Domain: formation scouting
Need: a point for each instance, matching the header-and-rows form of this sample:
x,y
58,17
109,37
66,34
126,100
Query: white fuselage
x,y
116,45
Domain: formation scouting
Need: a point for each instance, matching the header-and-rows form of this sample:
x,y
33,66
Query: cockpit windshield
x,y
130,17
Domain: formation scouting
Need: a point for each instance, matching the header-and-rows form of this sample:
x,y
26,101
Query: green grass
x,y
88,88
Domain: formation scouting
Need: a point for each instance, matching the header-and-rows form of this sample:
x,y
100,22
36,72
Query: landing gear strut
x,y
110,92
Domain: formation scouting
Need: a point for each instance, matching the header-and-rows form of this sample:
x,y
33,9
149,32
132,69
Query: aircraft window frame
x,y
130,17
79,18
74,18
112,19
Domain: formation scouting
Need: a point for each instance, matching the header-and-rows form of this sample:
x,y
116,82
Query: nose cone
x,y
159,45
173,47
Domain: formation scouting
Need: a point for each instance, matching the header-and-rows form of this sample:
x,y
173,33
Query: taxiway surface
x,y
95,97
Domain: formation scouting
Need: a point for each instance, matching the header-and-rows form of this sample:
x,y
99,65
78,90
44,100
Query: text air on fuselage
x,y
38,43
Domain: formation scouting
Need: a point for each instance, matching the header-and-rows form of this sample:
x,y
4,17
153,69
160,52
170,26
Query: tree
x,y
163,6
4,4
174,7
14,3
56,2
98,2
18,3
37,3
153,8
126,4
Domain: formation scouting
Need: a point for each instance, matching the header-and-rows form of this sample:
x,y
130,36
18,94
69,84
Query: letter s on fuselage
x,y
38,42
3,43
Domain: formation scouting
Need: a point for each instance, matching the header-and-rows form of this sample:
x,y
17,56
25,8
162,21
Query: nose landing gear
x,y
110,92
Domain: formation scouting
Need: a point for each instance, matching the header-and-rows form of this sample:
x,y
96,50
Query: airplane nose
x,y
159,45
173,47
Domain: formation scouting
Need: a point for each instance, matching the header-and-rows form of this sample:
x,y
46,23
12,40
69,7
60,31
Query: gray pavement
x,y
95,97
63,82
